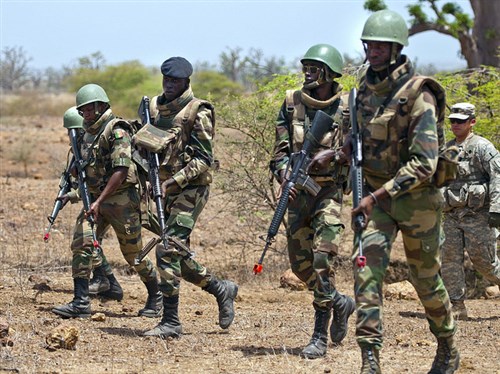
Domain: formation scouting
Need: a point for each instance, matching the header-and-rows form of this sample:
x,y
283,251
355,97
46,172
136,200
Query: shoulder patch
x,y
118,133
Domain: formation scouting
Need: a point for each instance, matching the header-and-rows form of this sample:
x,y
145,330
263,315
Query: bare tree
x,y
232,63
479,38
14,70
250,68
95,61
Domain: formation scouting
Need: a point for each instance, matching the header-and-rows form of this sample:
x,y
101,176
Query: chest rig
x,y
177,152
386,125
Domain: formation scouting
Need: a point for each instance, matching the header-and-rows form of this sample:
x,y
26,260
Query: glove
x,y
494,220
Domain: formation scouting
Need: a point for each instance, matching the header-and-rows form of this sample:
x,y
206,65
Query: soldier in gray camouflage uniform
x,y
314,228
472,208
398,114
111,179
188,124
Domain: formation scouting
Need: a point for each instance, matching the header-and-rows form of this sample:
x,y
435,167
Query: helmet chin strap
x,y
97,113
395,52
324,77
96,110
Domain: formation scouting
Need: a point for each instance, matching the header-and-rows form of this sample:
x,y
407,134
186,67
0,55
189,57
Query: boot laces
x,y
371,361
443,353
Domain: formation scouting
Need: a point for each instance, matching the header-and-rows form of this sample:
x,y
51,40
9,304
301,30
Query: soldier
x,y
398,113
111,178
103,282
314,227
188,124
472,208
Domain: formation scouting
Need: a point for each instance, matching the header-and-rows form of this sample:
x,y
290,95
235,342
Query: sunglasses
x,y
458,121
310,69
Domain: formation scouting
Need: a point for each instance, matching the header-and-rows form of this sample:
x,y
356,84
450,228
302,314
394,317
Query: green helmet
x,y
385,26
72,119
326,54
90,93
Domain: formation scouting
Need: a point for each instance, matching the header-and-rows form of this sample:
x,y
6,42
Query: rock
x,y
30,206
63,336
6,342
99,317
492,292
4,328
289,280
400,291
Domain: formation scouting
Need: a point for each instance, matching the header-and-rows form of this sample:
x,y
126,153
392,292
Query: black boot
x,y
319,341
115,291
99,282
343,307
80,306
447,358
225,292
169,324
153,307
370,359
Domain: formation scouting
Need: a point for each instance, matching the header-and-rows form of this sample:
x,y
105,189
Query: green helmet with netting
x,y
90,93
72,119
326,54
385,26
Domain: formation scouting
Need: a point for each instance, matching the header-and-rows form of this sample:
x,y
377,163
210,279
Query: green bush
x,y
480,87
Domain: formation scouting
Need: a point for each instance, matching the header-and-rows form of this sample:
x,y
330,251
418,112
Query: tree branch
x,y
421,27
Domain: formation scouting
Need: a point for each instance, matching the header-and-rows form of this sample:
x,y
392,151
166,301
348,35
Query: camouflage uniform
x,y
121,210
314,228
99,259
468,201
111,180
188,162
186,128
400,153
104,282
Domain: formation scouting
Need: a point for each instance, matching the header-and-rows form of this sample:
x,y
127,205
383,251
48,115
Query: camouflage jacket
x,y
190,122
107,149
400,143
294,119
478,182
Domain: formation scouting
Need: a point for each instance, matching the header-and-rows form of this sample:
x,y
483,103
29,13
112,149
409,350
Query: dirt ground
x,y
272,323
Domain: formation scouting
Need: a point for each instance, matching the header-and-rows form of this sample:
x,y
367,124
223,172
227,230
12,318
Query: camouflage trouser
x,y
98,257
121,212
418,216
314,233
473,234
181,211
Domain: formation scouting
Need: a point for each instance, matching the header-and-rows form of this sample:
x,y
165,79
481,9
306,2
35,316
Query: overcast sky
x,y
56,32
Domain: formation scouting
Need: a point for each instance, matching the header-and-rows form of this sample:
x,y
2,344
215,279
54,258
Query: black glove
x,y
494,220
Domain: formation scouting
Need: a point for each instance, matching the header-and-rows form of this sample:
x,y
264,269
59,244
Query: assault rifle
x,y
64,187
154,180
82,185
321,123
356,175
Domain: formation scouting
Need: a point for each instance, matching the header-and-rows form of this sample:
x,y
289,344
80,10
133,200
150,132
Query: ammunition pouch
x,y
447,167
153,139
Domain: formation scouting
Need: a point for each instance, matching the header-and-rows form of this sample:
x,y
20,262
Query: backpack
x,y
447,166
